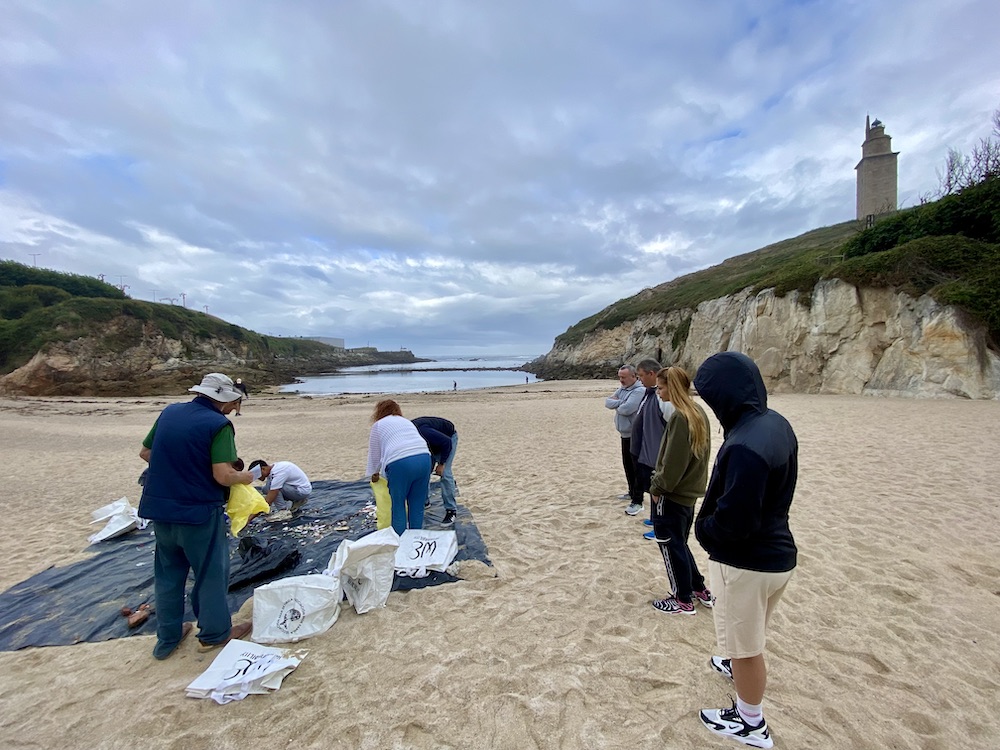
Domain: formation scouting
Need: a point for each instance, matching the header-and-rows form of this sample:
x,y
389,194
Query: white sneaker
x,y
722,666
727,722
626,496
633,509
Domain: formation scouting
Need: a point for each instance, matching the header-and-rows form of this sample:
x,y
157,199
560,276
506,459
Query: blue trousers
x,y
204,549
408,480
448,479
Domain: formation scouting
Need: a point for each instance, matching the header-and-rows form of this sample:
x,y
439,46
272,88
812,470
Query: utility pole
x,y
121,282
34,257
155,291
206,309
184,299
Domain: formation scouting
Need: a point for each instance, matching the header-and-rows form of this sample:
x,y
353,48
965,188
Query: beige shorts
x,y
744,600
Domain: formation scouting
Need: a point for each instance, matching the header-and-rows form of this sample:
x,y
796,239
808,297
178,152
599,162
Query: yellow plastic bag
x,y
244,501
383,503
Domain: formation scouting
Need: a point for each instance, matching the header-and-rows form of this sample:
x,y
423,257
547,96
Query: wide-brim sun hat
x,y
217,387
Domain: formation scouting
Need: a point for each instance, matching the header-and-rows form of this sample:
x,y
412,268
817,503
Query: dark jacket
x,y
743,520
437,433
180,487
647,430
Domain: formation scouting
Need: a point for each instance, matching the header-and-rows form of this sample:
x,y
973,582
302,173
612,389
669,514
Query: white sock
x,y
751,714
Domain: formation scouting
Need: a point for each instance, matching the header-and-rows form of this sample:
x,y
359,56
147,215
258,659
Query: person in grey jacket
x,y
625,402
647,431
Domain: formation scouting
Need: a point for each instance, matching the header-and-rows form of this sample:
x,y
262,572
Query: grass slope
x,y
949,249
39,307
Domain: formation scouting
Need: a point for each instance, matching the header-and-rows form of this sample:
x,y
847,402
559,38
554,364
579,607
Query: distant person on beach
x,y
442,441
625,402
242,388
454,385
190,450
285,481
678,481
396,448
743,525
647,432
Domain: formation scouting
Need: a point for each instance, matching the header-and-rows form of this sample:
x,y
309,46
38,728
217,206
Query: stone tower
x,y
876,173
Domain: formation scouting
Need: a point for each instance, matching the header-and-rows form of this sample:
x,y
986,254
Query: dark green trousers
x,y
204,550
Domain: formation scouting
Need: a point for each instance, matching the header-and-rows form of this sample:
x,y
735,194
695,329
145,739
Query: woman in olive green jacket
x,y
680,478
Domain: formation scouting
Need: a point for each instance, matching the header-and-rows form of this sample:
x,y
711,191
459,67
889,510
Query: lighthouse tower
x,y
876,173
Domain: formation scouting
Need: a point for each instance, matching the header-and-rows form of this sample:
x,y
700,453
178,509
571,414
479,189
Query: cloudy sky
x,y
458,176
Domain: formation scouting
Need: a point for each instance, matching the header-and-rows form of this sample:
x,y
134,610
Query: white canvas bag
x,y
423,550
243,668
365,568
297,607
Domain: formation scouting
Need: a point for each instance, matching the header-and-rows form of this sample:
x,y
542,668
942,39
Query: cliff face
x,y
128,356
841,339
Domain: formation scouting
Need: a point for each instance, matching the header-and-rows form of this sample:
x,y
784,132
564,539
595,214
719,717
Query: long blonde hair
x,y
678,384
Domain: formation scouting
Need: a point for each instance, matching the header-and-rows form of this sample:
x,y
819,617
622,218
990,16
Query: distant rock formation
x,y
840,339
130,357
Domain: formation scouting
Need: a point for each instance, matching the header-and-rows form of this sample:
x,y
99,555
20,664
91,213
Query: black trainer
x,y
449,518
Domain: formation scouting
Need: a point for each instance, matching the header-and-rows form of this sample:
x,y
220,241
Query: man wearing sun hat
x,y
190,451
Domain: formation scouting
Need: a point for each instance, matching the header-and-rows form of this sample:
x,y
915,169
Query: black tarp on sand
x,y
83,601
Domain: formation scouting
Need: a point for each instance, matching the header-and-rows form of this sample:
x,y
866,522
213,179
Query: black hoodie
x,y
743,520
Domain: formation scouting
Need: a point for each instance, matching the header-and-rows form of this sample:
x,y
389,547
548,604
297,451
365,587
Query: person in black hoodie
x,y
743,525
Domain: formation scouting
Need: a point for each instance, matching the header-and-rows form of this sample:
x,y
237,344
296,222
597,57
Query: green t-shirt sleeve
x,y
148,442
224,446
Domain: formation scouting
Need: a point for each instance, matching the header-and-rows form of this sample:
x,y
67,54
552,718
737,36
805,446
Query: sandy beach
x,y
887,636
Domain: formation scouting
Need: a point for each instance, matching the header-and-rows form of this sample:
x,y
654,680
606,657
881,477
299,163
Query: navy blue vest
x,y
180,487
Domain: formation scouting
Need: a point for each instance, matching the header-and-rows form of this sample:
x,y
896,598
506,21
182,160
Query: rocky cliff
x,y
130,356
838,339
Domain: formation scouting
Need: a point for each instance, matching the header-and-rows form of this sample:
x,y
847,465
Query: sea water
x,y
439,374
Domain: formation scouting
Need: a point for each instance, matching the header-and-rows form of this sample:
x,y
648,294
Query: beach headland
x,y
886,637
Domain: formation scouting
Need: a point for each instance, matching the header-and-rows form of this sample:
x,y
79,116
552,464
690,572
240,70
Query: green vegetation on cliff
x,y
39,307
949,249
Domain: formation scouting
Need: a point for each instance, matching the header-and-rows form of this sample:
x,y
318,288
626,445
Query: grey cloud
x,y
423,173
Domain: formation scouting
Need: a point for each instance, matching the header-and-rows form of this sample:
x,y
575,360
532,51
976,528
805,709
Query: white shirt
x,y
285,473
391,439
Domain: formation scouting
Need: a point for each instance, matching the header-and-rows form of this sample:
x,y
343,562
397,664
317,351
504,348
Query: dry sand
x,y
886,638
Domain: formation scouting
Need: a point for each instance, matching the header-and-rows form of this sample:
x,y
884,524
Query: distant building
x,y
335,343
877,173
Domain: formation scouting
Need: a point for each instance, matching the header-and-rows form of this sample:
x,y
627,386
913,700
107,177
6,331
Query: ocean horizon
x,y
435,375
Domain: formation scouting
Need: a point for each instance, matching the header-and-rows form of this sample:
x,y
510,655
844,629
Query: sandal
x,y
235,633
161,652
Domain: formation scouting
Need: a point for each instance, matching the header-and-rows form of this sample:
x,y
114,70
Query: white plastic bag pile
x,y
243,668
298,607
120,518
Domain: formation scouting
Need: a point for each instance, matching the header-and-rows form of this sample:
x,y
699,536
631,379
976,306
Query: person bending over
x,y
396,448
442,441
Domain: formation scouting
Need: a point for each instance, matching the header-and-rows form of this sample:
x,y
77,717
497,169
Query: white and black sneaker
x,y
633,509
449,518
722,666
727,722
